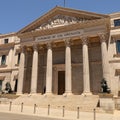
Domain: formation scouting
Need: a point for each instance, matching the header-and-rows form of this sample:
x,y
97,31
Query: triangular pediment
x,y
61,20
60,16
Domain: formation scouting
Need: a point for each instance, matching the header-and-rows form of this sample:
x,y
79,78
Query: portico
x,y
51,71
63,58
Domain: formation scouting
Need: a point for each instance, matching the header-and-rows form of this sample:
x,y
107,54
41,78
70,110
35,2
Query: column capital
x,y
102,37
67,42
49,45
22,48
84,40
35,46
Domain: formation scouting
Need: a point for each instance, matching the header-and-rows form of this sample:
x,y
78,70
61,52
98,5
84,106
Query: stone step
x,y
86,103
6,98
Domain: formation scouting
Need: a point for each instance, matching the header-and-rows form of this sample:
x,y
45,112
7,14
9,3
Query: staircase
x,y
6,98
86,103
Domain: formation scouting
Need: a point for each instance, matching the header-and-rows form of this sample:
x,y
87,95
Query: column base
x,y
19,93
48,94
67,94
86,93
115,96
35,93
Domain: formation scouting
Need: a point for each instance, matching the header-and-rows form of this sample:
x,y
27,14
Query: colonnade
x,y
68,69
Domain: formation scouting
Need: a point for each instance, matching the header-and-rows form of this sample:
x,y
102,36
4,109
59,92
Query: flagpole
x,y
64,3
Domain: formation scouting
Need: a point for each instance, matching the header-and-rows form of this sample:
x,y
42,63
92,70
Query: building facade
x,y
64,52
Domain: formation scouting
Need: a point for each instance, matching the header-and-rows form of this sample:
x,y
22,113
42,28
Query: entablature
x,y
56,30
92,32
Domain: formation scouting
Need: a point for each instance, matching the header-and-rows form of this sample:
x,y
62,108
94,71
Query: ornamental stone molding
x,y
84,40
22,48
102,37
35,47
61,20
67,42
49,45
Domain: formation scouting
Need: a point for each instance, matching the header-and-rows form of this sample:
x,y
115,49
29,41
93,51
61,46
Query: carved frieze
x,y
61,20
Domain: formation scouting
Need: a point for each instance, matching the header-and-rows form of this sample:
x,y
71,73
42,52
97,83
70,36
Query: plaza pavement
x,y
57,113
9,116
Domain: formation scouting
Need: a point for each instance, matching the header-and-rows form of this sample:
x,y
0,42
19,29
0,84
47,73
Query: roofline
x,y
60,8
35,20
115,14
7,34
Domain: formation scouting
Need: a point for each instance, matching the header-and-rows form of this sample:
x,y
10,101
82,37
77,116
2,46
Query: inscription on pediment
x,y
61,20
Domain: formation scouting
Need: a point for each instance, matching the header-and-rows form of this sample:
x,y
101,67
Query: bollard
x,y
35,108
63,111
94,111
78,112
22,107
48,109
10,105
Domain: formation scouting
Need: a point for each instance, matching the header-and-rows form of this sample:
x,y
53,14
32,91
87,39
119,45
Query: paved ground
x,y
14,113
9,116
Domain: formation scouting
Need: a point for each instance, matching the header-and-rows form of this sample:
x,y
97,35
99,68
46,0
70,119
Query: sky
x,y
16,14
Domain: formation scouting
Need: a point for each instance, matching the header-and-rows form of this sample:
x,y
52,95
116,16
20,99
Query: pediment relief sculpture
x,y
61,20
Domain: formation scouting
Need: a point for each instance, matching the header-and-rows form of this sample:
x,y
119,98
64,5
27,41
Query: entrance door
x,y
61,82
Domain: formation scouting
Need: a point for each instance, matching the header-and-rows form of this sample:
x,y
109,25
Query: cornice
x,y
114,61
3,70
114,15
115,36
115,27
7,35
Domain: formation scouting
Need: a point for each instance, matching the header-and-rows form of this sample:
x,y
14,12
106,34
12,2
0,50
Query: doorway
x,y
16,83
0,85
61,82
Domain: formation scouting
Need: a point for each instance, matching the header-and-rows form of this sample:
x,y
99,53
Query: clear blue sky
x,y
16,14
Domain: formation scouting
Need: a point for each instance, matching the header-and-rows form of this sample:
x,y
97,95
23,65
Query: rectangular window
x,y
3,60
0,85
117,22
18,58
118,46
5,41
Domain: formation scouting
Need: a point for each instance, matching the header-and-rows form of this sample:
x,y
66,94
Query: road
x,y
9,116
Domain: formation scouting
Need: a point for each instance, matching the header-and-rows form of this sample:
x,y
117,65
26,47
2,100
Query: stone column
x,y
68,80
34,76
21,71
86,73
105,64
49,70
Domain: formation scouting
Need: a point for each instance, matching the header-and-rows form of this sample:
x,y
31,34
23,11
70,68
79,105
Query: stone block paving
x,y
58,113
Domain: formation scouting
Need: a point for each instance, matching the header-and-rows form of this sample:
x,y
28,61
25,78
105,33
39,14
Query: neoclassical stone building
x,y
65,51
